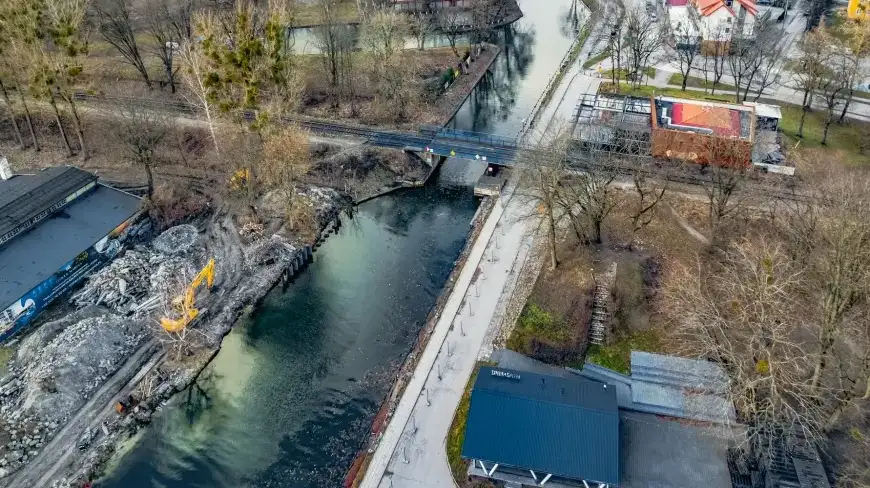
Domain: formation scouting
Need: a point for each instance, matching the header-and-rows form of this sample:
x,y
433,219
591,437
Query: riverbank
x,y
165,376
358,468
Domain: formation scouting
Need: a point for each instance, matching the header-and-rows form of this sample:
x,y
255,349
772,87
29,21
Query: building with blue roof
x,y
535,429
57,226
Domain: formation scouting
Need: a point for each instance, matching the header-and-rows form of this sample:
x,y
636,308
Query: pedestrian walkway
x,y
411,452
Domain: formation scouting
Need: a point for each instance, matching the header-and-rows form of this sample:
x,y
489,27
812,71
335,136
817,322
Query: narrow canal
x,y
291,395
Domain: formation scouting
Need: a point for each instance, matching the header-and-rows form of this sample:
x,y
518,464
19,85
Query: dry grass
x,y
422,66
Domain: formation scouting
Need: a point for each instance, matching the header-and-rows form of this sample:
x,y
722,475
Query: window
x,y
730,19
727,30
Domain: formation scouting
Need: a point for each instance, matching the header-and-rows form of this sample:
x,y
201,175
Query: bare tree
x,y
687,47
738,312
643,37
614,27
815,49
484,15
194,74
837,79
752,61
142,130
647,198
450,20
422,24
326,36
383,35
346,46
724,191
285,160
544,168
116,27
858,43
587,198
168,22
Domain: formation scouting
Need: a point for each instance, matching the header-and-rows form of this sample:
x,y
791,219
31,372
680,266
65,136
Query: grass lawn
x,y
649,71
310,14
596,59
456,435
537,322
847,137
697,82
646,91
617,355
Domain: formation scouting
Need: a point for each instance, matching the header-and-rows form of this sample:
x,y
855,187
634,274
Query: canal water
x,y
290,398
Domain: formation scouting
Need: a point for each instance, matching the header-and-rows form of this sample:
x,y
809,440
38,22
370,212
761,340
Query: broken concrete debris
x,y
145,279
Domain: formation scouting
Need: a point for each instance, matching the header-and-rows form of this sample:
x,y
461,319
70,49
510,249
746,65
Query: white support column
x,y
494,467
546,479
585,484
482,466
534,475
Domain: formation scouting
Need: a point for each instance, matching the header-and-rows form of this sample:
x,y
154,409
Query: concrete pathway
x,y
411,453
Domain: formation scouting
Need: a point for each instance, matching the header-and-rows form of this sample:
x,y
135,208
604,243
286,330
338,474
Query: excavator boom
x,y
189,312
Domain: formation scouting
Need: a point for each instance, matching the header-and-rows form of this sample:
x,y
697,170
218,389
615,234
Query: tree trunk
x,y
827,126
29,121
800,132
53,103
168,66
77,123
150,177
846,107
551,230
596,228
685,81
12,115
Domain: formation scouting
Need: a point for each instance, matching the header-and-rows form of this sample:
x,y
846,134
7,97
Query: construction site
x,y
696,131
106,315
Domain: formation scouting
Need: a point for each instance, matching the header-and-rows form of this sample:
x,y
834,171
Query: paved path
x,y
412,451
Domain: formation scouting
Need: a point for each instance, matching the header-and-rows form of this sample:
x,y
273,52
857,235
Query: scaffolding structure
x,y
612,123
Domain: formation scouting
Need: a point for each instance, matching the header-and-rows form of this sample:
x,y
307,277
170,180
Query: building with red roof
x,y
718,22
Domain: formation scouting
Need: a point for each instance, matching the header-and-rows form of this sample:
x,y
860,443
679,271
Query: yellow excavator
x,y
187,303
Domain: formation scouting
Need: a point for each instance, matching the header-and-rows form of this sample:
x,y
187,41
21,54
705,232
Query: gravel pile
x,y
53,374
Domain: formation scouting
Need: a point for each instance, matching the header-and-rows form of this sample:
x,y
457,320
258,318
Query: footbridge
x,y
437,141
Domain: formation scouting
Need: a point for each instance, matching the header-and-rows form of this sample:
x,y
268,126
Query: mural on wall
x,y
22,312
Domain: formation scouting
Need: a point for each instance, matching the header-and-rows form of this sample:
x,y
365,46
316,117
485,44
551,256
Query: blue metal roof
x,y
565,427
30,258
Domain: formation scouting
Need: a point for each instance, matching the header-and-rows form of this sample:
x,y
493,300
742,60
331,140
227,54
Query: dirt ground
x,y
554,324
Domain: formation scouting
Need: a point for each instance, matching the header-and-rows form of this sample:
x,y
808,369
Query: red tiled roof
x,y
707,7
678,3
723,121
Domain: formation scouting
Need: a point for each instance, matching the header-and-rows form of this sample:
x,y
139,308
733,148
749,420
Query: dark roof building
x,y
56,226
663,441
539,429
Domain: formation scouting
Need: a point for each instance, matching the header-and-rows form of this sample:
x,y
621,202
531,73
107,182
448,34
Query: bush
x,y
541,335
170,206
617,356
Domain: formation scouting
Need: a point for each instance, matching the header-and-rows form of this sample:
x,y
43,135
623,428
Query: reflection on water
x,y
532,49
291,396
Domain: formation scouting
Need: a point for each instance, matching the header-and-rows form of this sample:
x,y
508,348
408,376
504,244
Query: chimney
x,y
5,169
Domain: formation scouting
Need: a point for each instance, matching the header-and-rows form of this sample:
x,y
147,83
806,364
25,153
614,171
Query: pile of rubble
x,y
55,371
145,279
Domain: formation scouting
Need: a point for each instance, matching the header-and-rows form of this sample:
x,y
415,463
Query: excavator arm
x,y
189,312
